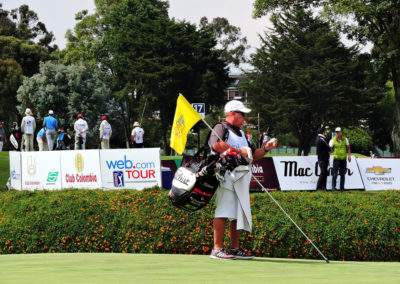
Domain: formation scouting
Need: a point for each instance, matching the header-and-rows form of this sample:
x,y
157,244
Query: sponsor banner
x,y
15,170
380,174
80,169
41,170
130,168
264,171
302,172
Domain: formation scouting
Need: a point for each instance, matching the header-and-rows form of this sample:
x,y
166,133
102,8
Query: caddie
x,y
105,133
28,127
80,127
233,194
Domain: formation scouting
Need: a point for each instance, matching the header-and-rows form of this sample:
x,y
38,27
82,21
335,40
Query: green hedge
x,y
349,226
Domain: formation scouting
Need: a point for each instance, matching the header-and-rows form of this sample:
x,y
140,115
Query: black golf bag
x,y
195,183
16,138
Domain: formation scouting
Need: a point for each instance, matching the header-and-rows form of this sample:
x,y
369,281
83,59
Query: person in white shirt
x,y
105,133
28,127
80,127
137,135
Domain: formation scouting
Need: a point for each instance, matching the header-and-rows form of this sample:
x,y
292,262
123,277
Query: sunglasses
x,y
241,113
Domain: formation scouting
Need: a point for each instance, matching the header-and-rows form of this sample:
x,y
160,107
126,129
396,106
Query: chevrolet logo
x,y
379,170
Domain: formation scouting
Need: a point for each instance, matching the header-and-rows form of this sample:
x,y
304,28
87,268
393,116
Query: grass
x,y
4,169
153,268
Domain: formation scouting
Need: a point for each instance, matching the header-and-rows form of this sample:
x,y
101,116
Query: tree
x,y
11,79
304,78
24,24
150,59
19,54
229,37
68,91
376,21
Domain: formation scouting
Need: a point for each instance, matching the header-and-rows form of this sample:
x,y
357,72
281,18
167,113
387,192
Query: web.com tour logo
x,y
134,170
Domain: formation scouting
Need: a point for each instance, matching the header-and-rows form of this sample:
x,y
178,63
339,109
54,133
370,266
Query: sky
x,y
59,15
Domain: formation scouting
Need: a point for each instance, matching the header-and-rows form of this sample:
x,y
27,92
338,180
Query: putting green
x,y
154,268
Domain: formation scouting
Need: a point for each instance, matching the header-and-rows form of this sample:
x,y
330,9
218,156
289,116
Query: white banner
x,y
15,170
380,174
41,170
302,172
81,169
130,168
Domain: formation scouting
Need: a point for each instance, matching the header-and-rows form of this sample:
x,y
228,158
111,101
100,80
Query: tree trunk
x,y
396,127
165,144
396,131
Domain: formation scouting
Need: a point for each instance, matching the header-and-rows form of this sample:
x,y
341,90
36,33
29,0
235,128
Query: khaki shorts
x,y
226,204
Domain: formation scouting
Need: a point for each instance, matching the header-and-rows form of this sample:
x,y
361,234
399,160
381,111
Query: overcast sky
x,y
59,15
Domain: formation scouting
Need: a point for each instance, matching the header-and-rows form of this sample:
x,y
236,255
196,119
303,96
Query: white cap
x,y
28,111
51,112
136,124
338,129
235,105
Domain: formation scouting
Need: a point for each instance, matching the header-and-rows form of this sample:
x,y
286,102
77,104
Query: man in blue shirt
x,y
50,125
41,140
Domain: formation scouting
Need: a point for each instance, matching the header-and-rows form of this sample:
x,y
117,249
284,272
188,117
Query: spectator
x,y
28,127
50,125
266,139
137,135
323,151
249,137
3,138
339,145
105,133
41,140
80,127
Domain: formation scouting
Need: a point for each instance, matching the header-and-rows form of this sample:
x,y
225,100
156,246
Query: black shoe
x,y
240,254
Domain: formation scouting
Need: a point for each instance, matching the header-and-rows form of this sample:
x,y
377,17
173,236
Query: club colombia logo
x,y
31,166
79,163
378,170
80,177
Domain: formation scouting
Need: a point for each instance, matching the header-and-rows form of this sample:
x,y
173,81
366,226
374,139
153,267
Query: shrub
x,y
351,226
360,140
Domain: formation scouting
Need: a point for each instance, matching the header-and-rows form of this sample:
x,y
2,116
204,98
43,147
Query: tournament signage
x,y
264,171
380,174
80,169
40,170
15,170
301,173
130,168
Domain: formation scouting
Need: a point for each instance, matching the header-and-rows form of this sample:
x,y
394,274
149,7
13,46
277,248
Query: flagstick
x,y
276,202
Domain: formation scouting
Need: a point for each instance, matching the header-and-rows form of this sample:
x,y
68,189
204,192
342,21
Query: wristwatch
x,y
265,149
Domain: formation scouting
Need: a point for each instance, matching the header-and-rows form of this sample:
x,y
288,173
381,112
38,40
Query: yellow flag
x,y
185,118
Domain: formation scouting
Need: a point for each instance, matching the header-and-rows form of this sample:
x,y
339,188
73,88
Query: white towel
x,y
242,189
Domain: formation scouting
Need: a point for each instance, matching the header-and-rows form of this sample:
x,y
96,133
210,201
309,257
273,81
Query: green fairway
x,y
153,268
4,169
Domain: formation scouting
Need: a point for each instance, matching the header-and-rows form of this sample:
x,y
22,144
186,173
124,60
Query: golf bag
x,y
195,183
16,138
64,142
